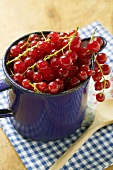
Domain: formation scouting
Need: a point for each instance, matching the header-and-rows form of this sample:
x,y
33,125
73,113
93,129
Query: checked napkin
x,y
95,154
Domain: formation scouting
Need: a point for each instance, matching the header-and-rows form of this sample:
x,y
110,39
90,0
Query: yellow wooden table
x,y
24,16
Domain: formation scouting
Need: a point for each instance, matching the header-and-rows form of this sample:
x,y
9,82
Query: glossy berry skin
x,y
60,84
97,76
37,77
34,43
100,97
65,61
100,41
93,46
106,84
15,50
19,67
22,44
41,86
29,61
83,75
84,68
53,36
53,87
33,37
42,65
90,72
48,74
99,85
72,32
73,55
101,58
54,63
63,73
76,44
105,69
25,84
18,78
29,74
33,53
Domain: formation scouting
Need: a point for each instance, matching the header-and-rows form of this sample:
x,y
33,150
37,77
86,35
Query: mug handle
x,y
4,85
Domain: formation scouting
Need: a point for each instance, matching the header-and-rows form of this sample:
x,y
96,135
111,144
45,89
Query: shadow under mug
x,y
40,116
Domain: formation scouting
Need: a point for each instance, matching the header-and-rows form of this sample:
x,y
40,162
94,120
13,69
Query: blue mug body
x,y
41,116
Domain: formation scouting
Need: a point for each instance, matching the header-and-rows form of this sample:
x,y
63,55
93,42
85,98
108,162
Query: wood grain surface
x,y
24,16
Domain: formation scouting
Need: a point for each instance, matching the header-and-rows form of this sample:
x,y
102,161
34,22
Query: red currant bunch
x,y
55,62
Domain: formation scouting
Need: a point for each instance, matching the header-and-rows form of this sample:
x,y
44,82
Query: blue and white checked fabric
x,y
95,154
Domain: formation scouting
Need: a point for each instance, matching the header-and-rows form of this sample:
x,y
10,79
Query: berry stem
x,y
34,86
92,37
101,72
43,36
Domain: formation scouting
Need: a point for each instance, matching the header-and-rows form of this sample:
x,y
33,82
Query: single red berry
x,y
100,41
42,46
42,86
99,85
42,65
84,68
63,73
22,44
72,32
29,61
106,84
18,78
72,54
54,63
33,37
100,97
26,84
76,44
19,67
101,58
15,50
83,75
63,34
65,61
60,84
29,74
93,46
37,77
33,43
33,53
64,43
97,76
90,72
105,69
53,36
53,87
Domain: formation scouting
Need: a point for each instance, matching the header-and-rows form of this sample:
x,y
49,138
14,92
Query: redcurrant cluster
x,y
56,62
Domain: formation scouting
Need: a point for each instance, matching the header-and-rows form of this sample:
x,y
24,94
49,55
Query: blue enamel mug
x,y
41,116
